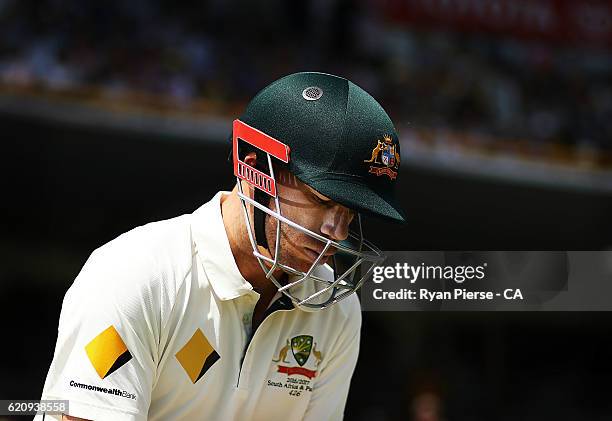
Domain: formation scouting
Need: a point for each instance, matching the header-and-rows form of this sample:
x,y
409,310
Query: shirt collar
x,y
214,250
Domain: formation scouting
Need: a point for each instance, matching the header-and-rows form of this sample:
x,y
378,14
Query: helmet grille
x,y
312,93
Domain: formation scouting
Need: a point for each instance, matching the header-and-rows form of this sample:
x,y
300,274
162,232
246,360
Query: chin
x,y
301,265
298,258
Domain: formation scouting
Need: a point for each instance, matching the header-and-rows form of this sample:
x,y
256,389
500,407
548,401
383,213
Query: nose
x,y
336,223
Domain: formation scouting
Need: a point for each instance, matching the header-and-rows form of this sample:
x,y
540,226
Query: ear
x,y
251,159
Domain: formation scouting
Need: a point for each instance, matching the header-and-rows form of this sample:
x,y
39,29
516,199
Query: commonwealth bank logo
x,y
197,356
107,352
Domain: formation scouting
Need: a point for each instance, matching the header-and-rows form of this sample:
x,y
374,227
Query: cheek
x,y
290,238
307,218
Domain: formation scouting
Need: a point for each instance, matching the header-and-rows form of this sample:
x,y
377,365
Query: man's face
x,y
312,210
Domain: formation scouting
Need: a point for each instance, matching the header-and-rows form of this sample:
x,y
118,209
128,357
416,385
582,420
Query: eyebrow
x,y
327,199
319,195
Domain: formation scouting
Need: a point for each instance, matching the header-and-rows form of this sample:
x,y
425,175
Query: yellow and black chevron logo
x,y
197,356
107,352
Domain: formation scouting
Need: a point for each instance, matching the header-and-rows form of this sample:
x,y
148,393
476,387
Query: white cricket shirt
x,y
158,326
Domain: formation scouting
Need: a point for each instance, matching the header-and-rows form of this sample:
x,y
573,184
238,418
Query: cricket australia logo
x,y
302,347
388,153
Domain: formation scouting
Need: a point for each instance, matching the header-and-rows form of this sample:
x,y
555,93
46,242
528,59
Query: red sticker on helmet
x,y
265,143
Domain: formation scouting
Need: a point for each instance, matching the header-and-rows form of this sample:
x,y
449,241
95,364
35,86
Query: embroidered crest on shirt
x,y
107,352
302,348
298,363
197,356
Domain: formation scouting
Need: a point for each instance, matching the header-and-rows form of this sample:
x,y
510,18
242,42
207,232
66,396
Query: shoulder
x,y
340,334
146,266
156,247
350,309
341,320
151,240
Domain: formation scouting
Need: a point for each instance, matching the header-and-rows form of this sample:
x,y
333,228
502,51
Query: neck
x,y
237,234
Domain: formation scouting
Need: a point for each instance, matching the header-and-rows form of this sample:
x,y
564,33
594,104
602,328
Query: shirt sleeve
x,y
106,353
332,386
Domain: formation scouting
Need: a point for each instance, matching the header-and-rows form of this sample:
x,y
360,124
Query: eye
x,y
321,201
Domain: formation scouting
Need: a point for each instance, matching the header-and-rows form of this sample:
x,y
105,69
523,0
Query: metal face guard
x,y
321,285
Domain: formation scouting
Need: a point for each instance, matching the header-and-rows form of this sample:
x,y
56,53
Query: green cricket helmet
x,y
336,138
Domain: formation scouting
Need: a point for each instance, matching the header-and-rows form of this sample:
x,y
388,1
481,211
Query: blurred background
x,y
114,114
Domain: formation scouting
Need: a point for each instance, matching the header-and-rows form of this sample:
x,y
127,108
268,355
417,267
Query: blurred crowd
x,y
224,51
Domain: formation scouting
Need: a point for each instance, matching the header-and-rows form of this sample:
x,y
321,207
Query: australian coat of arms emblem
x,y
385,158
